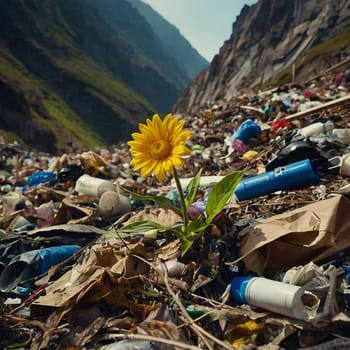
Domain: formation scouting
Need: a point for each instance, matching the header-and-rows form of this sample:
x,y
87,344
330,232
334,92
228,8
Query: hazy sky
x,y
206,24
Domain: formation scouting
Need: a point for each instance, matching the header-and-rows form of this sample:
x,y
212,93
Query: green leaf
x,y
142,226
149,292
161,201
187,242
197,225
221,193
193,188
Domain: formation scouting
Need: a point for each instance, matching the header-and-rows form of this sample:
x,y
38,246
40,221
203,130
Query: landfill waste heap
x,y
271,271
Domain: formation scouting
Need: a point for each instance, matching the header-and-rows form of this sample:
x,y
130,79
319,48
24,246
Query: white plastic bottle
x,y
93,186
282,298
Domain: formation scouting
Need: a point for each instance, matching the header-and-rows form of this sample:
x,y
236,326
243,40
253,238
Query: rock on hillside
x,y
268,38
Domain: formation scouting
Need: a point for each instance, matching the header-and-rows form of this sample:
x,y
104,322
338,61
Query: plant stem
x,y
182,200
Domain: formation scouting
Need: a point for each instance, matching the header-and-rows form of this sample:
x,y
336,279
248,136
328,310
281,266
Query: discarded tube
x,y
282,298
292,176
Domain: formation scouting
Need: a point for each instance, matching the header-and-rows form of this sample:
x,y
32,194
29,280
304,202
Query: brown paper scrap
x,y
310,233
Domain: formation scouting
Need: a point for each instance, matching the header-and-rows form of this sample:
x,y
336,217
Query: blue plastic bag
x,y
40,177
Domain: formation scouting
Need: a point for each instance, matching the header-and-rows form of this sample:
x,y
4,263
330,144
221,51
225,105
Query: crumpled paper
x,y
311,233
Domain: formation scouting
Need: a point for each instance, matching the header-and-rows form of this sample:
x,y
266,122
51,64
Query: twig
x,y
284,203
323,73
192,324
253,109
337,102
190,321
212,302
164,274
30,299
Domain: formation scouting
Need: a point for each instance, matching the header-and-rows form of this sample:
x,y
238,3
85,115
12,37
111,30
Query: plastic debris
x,y
284,232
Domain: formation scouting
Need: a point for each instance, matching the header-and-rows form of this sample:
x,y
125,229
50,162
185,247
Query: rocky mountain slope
x,y
172,39
268,39
82,72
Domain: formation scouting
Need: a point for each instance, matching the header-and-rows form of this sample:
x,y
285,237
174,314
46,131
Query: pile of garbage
x,y
272,271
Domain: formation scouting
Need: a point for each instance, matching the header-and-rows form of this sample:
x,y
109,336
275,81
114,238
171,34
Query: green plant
x,y
153,151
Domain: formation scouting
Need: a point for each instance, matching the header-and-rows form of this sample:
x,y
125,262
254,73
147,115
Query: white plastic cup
x,y
112,203
93,186
282,298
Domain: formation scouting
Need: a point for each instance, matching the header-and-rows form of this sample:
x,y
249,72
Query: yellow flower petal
x,y
181,150
183,136
146,172
178,127
141,163
148,132
159,147
177,161
159,171
136,147
148,169
168,166
157,127
139,137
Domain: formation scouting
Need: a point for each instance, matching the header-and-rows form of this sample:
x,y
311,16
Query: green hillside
x,y
72,76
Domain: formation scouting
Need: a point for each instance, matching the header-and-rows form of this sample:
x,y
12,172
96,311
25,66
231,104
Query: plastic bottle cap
x,y
238,288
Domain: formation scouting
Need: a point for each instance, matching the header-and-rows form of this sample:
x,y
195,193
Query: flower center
x,y
160,149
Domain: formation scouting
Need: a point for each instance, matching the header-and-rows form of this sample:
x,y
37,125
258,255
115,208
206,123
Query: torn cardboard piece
x,y
311,233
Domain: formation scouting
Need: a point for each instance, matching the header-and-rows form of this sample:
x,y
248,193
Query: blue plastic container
x,y
247,130
292,176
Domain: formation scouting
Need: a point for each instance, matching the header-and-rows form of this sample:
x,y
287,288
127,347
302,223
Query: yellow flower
x,y
160,146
